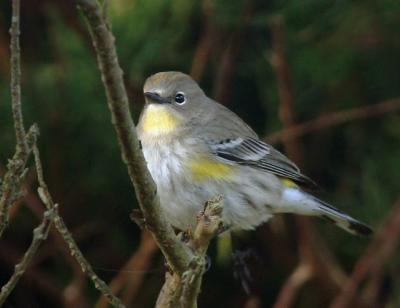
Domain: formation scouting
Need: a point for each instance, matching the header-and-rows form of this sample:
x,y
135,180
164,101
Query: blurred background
x,y
333,65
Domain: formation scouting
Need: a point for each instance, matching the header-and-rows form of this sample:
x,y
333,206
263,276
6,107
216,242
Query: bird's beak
x,y
155,98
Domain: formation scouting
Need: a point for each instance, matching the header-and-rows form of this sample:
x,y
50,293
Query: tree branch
x,y
15,84
333,119
183,285
139,263
182,291
288,292
313,254
209,224
175,252
39,235
13,178
205,44
381,248
47,199
16,166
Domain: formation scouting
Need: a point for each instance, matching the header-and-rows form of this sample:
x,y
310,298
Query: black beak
x,y
155,98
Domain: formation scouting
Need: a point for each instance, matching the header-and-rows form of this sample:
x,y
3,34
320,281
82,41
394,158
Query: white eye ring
x,y
180,98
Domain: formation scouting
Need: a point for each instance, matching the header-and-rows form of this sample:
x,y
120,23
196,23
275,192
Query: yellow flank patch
x,y
157,120
289,183
203,168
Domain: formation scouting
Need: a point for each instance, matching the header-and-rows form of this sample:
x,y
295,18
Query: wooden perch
x,y
187,265
182,291
103,40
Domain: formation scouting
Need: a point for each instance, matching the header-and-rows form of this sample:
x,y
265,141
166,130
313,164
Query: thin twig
x,y
47,199
205,43
226,65
334,119
372,293
208,225
39,235
175,252
16,166
288,292
38,279
15,84
13,178
183,291
381,248
287,115
284,83
140,261
70,298
310,253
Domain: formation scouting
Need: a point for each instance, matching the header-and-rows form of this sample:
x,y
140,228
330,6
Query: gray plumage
x,y
196,149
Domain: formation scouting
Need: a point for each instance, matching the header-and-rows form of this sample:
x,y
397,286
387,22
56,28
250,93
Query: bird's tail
x,y
342,220
300,202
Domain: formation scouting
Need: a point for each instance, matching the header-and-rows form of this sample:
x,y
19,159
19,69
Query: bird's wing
x,y
255,153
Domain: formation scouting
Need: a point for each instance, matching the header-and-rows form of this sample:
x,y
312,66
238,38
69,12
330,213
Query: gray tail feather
x,y
342,220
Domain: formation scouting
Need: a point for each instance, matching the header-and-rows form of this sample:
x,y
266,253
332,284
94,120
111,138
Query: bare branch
x,y
46,198
183,291
334,119
205,44
286,100
38,279
226,67
170,292
183,285
300,275
175,252
14,177
15,84
16,166
314,255
209,224
39,235
381,248
139,263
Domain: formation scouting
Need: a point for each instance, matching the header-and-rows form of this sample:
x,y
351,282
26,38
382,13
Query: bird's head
x,y
173,99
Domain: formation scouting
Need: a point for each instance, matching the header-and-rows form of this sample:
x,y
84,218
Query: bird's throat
x,y
158,120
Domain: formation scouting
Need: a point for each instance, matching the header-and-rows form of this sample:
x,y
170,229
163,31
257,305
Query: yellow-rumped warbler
x,y
196,148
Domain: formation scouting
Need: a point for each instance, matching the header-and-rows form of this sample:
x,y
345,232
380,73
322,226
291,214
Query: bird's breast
x,y
165,158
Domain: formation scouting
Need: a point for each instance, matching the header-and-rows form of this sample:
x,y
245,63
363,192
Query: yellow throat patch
x,y
157,120
203,168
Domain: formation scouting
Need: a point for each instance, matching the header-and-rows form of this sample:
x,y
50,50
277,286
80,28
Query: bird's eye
x,y
180,98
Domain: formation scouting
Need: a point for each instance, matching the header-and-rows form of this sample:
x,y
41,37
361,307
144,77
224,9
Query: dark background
x,y
339,55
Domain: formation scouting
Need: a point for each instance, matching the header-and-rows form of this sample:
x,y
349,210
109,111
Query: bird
x,y
196,148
